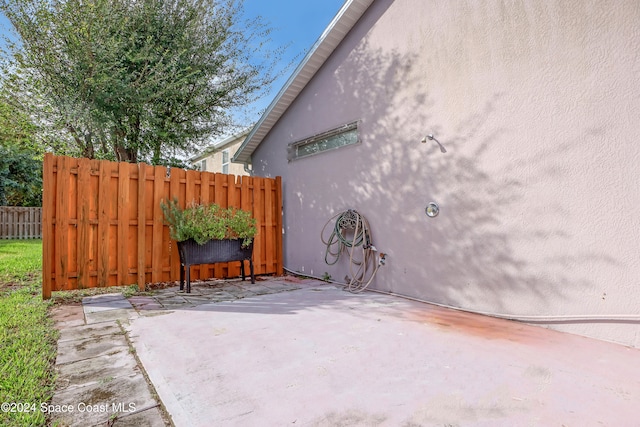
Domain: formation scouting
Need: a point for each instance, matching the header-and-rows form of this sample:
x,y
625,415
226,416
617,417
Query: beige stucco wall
x,y
537,104
214,160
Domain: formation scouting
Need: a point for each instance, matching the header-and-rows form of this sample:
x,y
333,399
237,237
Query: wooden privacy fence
x,y
103,225
20,223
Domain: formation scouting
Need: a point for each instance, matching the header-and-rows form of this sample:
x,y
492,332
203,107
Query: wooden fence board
x,y
277,206
258,213
62,225
122,241
174,193
156,245
141,223
48,213
83,225
269,225
219,197
20,222
102,224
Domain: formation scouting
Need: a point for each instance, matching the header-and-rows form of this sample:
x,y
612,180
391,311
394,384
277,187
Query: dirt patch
x,y
9,286
161,285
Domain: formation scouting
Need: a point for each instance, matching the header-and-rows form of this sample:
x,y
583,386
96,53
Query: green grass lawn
x,y
19,258
27,337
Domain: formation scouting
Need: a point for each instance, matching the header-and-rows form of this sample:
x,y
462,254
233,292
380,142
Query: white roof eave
x,y
341,24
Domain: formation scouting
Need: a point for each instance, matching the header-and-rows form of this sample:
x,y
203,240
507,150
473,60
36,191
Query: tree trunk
x,y
86,146
124,154
156,155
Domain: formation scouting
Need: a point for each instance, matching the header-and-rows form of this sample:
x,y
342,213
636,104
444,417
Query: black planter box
x,y
214,251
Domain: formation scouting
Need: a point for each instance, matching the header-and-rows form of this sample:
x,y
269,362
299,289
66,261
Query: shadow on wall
x,y
468,255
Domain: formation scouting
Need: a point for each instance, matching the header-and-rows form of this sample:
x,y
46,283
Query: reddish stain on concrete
x,y
478,325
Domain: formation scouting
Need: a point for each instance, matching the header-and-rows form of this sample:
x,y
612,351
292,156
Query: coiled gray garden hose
x,y
350,231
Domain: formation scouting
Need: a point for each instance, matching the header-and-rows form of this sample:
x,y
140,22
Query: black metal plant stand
x,y
212,252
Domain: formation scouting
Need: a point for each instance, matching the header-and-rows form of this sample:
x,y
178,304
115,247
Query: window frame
x,y
294,147
225,153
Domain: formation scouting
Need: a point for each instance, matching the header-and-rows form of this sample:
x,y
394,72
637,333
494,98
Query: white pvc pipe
x,y
521,318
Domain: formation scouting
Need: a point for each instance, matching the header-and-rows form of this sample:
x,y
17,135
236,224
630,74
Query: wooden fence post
x,y
142,224
48,206
159,175
83,225
278,235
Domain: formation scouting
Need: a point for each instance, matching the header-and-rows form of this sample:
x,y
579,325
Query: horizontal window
x,y
335,138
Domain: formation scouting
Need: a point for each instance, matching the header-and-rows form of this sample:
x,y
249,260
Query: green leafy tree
x,y
20,167
137,80
20,178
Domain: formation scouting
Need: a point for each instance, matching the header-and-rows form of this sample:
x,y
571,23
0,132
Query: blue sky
x,y
297,23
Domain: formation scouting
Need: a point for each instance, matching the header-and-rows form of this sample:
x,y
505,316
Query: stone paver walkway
x,y
100,382
173,298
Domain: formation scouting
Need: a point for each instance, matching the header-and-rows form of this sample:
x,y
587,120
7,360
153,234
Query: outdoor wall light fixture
x,y
430,137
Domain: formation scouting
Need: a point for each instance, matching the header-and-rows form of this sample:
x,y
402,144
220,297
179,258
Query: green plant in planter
x,y
204,222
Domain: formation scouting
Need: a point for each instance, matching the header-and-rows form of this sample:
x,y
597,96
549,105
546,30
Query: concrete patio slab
x,y
98,374
319,356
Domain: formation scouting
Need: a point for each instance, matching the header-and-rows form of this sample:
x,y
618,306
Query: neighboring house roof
x,y
341,24
219,145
